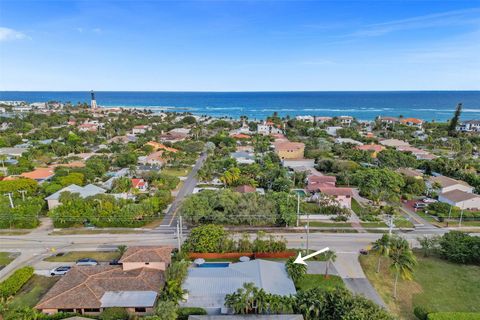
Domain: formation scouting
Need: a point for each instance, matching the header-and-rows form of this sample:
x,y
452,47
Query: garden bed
x,y
237,255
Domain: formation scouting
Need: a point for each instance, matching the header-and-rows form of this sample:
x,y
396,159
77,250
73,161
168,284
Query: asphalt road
x,y
187,188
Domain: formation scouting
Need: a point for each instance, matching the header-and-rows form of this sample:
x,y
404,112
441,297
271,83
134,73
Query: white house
x,y
267,128
469,126
448,184
141,129
461,199
346,120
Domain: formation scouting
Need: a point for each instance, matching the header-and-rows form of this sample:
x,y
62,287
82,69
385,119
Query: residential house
x,y
469,126
160,146
408,172
175,135
289,150
141,129
243,157
315,182
394,143
332,131
387,120
348,140
13,152
305,118
412,122
39,174
207,287
89,190
240,136
461,199
373,148
345,120
342,196
323,119
89,290
157,258
153,159
140,184
448,184
267,128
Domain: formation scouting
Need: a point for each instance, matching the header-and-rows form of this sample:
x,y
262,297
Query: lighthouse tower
x,y
93,103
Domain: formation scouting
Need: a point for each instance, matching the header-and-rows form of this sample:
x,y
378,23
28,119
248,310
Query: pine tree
x,y
454,122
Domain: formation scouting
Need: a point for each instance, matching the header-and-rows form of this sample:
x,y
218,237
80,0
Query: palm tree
x,y
330,257
403,261
382,247
295,271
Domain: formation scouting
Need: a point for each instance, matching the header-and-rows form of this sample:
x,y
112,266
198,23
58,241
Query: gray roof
x,y
242,154
14,152
249,317
128,299
207,287
87,191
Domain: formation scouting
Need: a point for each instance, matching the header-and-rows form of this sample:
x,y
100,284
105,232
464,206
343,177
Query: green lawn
x,y
73,256
438,286
378,224
401,222
310,281
177,172
332,224
356,207
33,291
92,231
6,258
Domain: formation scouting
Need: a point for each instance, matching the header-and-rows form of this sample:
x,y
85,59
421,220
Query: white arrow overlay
x,y
301,260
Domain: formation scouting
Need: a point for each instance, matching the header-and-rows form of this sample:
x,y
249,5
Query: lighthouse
x,y
93,103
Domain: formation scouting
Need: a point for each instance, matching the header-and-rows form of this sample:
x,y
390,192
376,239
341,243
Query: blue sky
x,y
239,45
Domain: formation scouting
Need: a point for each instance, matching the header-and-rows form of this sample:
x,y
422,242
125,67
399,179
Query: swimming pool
x,y
214,265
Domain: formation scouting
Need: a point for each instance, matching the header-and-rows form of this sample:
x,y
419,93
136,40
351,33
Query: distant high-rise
x,y
93,103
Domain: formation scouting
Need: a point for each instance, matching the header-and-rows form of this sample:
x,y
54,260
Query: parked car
x,y
60,271
115,262
420,205
429,200
363,252
87,262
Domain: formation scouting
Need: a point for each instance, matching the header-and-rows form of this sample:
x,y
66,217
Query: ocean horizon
x,y
364,105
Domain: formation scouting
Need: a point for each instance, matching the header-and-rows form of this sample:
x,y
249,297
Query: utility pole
x,y
10,198
23,194
298,208
390,225
308,231
178,237
181,230
449,214
461,215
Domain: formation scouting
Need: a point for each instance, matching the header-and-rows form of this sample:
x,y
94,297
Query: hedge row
x,y
15,282
185,312
454,315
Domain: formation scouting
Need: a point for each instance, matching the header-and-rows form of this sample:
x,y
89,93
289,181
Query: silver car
x,y
87,262
60,271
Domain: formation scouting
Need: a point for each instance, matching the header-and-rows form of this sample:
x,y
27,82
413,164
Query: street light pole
x,y
298,208
461,215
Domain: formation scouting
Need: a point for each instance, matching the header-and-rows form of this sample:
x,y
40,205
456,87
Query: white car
x,y
60,271
429,200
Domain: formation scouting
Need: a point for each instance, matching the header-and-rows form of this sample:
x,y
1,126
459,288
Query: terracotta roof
x,y
411,120
321,179
240,136
157,146
288,145
83,287
137,183
370,147
147,254
39,173
245,189
334,191
156,156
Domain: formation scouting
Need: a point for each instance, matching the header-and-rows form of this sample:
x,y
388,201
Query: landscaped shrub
x,y
114,314
460,247
420,312
183,313
454,315
15,282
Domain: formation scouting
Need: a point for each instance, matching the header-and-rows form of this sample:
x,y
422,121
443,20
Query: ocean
x,y
427,105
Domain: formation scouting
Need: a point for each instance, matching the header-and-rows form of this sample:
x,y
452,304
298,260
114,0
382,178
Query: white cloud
x,y
7,34
443,19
